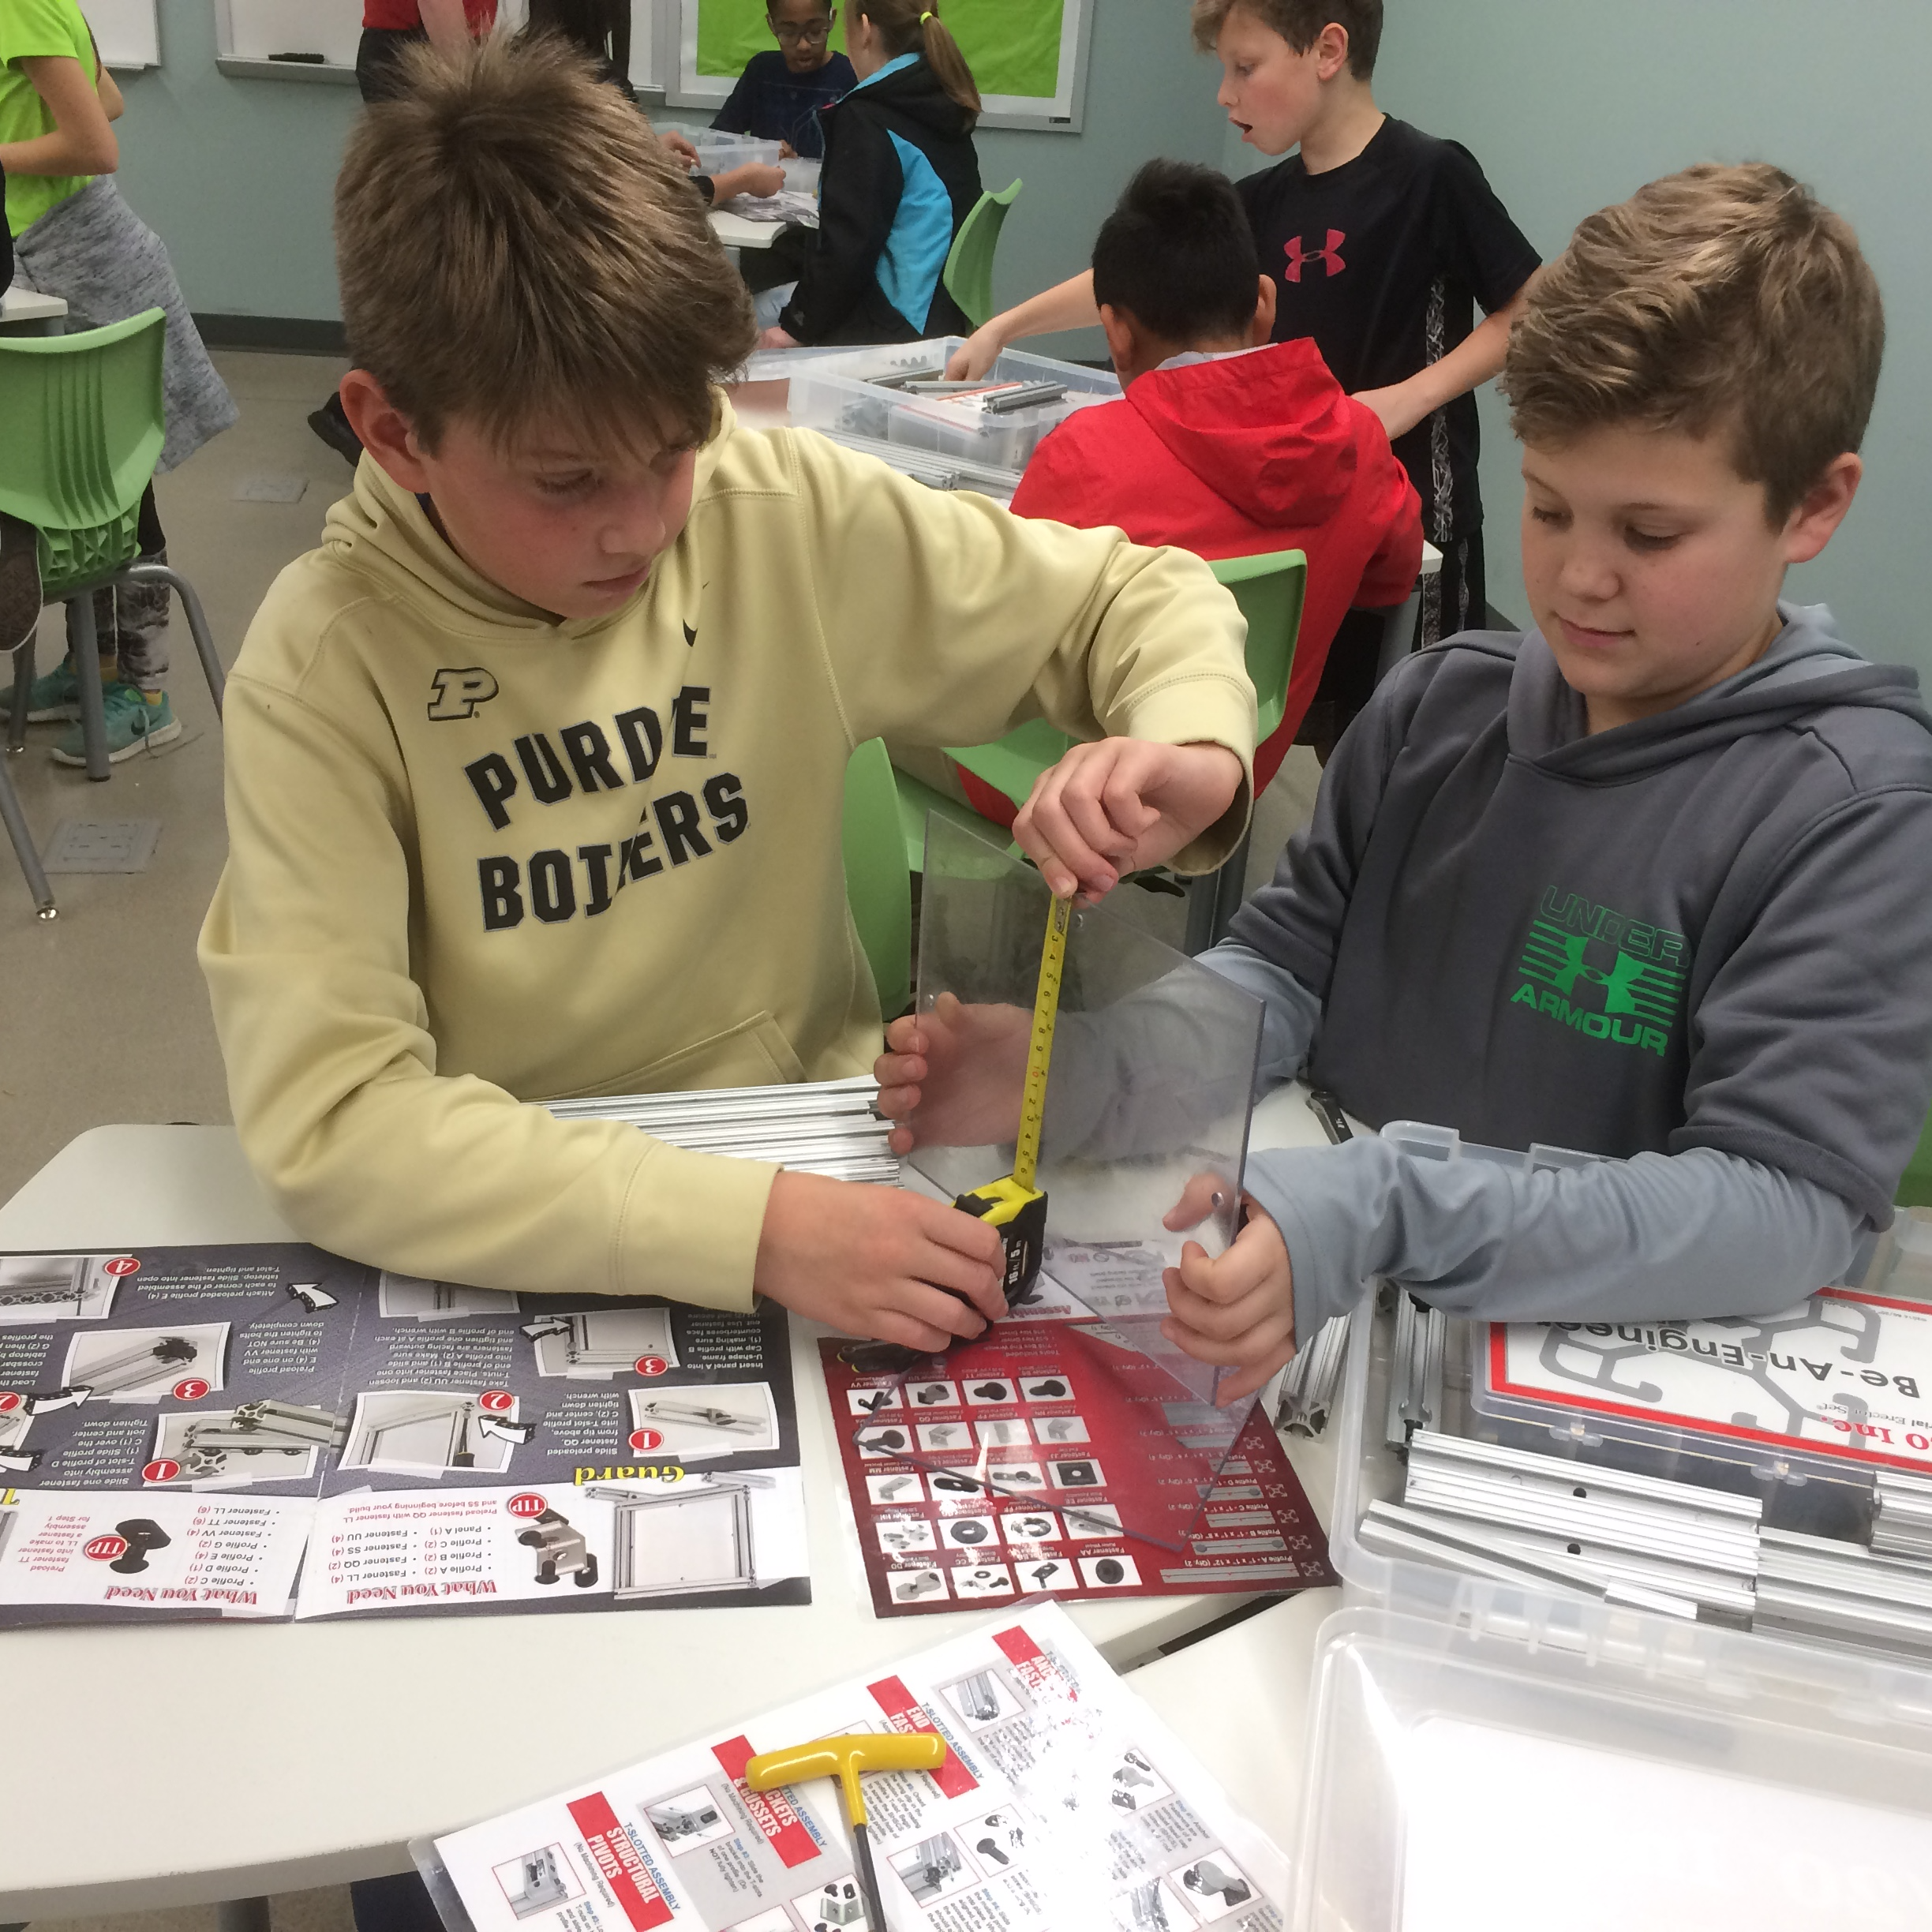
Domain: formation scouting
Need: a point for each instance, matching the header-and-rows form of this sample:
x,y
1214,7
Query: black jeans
x,y
377,56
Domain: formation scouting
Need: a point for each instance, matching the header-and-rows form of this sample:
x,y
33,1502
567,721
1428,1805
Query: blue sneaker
x,y
133,724
51,697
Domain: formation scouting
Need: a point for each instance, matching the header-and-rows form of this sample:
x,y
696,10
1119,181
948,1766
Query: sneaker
x,y
133,724
51,697
331,423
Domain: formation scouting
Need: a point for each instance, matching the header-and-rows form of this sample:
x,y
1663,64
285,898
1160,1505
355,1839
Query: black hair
x,y
1178,255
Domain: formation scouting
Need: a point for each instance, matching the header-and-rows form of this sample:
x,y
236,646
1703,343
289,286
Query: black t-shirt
x,y
1382,261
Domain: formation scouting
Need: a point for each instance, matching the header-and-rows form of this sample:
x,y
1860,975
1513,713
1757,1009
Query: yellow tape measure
x,y
1039,1049
1013,1204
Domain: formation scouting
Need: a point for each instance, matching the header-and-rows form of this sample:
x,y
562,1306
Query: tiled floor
x,y
106,1017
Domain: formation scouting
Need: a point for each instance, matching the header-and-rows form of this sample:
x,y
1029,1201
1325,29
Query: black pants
x,y
1451,602
376,57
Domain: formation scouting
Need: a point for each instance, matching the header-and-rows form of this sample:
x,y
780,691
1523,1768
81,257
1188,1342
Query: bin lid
x,y
1598,1773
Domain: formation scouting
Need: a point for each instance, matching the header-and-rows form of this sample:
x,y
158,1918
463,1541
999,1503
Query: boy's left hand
x,y
1235,1310
776,338
1122,805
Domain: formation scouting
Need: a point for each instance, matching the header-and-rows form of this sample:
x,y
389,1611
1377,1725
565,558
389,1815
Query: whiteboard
x,y
125,31
256,29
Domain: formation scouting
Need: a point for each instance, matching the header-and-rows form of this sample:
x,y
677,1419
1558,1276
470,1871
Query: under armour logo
x,y
1299,258
459,693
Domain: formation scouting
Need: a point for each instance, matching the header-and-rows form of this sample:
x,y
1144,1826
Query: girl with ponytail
x,y
900,176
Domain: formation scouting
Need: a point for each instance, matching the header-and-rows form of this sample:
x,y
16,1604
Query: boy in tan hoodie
x,y
535,767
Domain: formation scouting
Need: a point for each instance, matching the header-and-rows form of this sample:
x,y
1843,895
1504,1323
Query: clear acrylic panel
x,y
1148,1094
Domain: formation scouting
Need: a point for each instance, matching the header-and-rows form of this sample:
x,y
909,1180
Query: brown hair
x,y
1719,298
514,247
914,27
1300,22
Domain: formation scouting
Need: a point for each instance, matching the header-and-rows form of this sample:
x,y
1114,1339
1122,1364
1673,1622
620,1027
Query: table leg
x,y
248,1915
1398,631
84,645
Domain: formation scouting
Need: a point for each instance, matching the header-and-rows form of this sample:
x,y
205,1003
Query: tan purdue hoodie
x,y
479,858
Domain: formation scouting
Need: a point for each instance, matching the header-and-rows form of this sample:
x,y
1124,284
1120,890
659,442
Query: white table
x,y
739,231
26,311
176,1765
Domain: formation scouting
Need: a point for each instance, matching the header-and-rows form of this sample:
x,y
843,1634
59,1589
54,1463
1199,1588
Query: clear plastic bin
x,y
846,393
1597,1771
716,152
1807,1487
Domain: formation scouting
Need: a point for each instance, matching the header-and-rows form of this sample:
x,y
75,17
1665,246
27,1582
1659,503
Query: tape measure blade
x,y
1039,1048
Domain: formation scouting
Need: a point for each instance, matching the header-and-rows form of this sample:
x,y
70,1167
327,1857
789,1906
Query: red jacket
x,y
1249,453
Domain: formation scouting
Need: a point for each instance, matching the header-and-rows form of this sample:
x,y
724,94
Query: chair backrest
x,y
1915,1187
877,881
968,272
1270,589
84,422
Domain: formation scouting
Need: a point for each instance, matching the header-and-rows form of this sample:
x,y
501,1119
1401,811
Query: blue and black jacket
x,y
900,176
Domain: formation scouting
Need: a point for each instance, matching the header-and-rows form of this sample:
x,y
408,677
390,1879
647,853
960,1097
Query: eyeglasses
x,y
815,33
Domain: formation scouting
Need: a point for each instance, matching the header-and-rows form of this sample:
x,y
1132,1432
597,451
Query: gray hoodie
x,y
1701,943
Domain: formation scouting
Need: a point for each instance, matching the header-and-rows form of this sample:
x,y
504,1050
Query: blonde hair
x,y
515,248
1299,22
1719,298
915,26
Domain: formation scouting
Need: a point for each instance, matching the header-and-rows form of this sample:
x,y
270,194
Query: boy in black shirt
x,y
779,94
1381,241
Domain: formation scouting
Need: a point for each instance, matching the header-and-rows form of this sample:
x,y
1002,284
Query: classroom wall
x,y
236,175
1570,107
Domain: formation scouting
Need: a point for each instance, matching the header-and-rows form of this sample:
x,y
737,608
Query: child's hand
x,y
684,149
878,1261
1237,1309
787,152
963,1068
776,338
760,179
975,356
1124,803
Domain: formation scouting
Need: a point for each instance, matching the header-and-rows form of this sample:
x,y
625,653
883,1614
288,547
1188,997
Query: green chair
x,y
878,882
968,270
84,427
1269,589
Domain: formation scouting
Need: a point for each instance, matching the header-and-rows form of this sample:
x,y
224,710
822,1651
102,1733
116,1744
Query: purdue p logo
x,y
457,694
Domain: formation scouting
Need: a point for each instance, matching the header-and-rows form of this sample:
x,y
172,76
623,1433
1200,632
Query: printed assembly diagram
x,y
271,1432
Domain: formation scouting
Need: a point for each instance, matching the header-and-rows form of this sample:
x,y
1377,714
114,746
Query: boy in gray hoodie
x,y
1652,880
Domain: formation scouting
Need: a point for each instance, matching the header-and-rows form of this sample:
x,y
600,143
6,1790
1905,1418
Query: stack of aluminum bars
x,y
820,1127
1309,1382
1512,1515
936,472
1415,1393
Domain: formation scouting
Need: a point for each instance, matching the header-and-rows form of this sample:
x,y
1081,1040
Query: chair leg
x,y
84,643
197,620
15,821
16,723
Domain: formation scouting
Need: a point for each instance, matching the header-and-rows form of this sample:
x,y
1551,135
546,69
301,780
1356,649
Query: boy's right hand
x,y
976,355
878,1261
954,1076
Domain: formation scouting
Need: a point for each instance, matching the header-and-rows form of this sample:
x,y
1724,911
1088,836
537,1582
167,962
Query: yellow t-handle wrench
x,y
844,1758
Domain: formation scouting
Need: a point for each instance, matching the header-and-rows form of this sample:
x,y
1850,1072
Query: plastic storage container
x,y
716,152
1597,1770
1496,1387
848,395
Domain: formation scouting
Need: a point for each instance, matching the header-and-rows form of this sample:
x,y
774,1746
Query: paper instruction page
x,y
269,1431
1063,1805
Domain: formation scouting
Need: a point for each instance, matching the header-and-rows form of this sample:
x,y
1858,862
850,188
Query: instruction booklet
x,y
273,1432
1063,1804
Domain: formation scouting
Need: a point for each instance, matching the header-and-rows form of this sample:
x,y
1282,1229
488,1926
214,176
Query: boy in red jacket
x,y
1225,444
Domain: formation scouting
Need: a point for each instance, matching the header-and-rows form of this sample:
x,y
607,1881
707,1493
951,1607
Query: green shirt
x,y
28,27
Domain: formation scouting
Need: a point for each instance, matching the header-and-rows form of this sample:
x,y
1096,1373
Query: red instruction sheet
x,y
1048,1459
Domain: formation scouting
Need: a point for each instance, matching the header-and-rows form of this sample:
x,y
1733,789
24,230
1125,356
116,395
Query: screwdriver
x,y
844,1758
